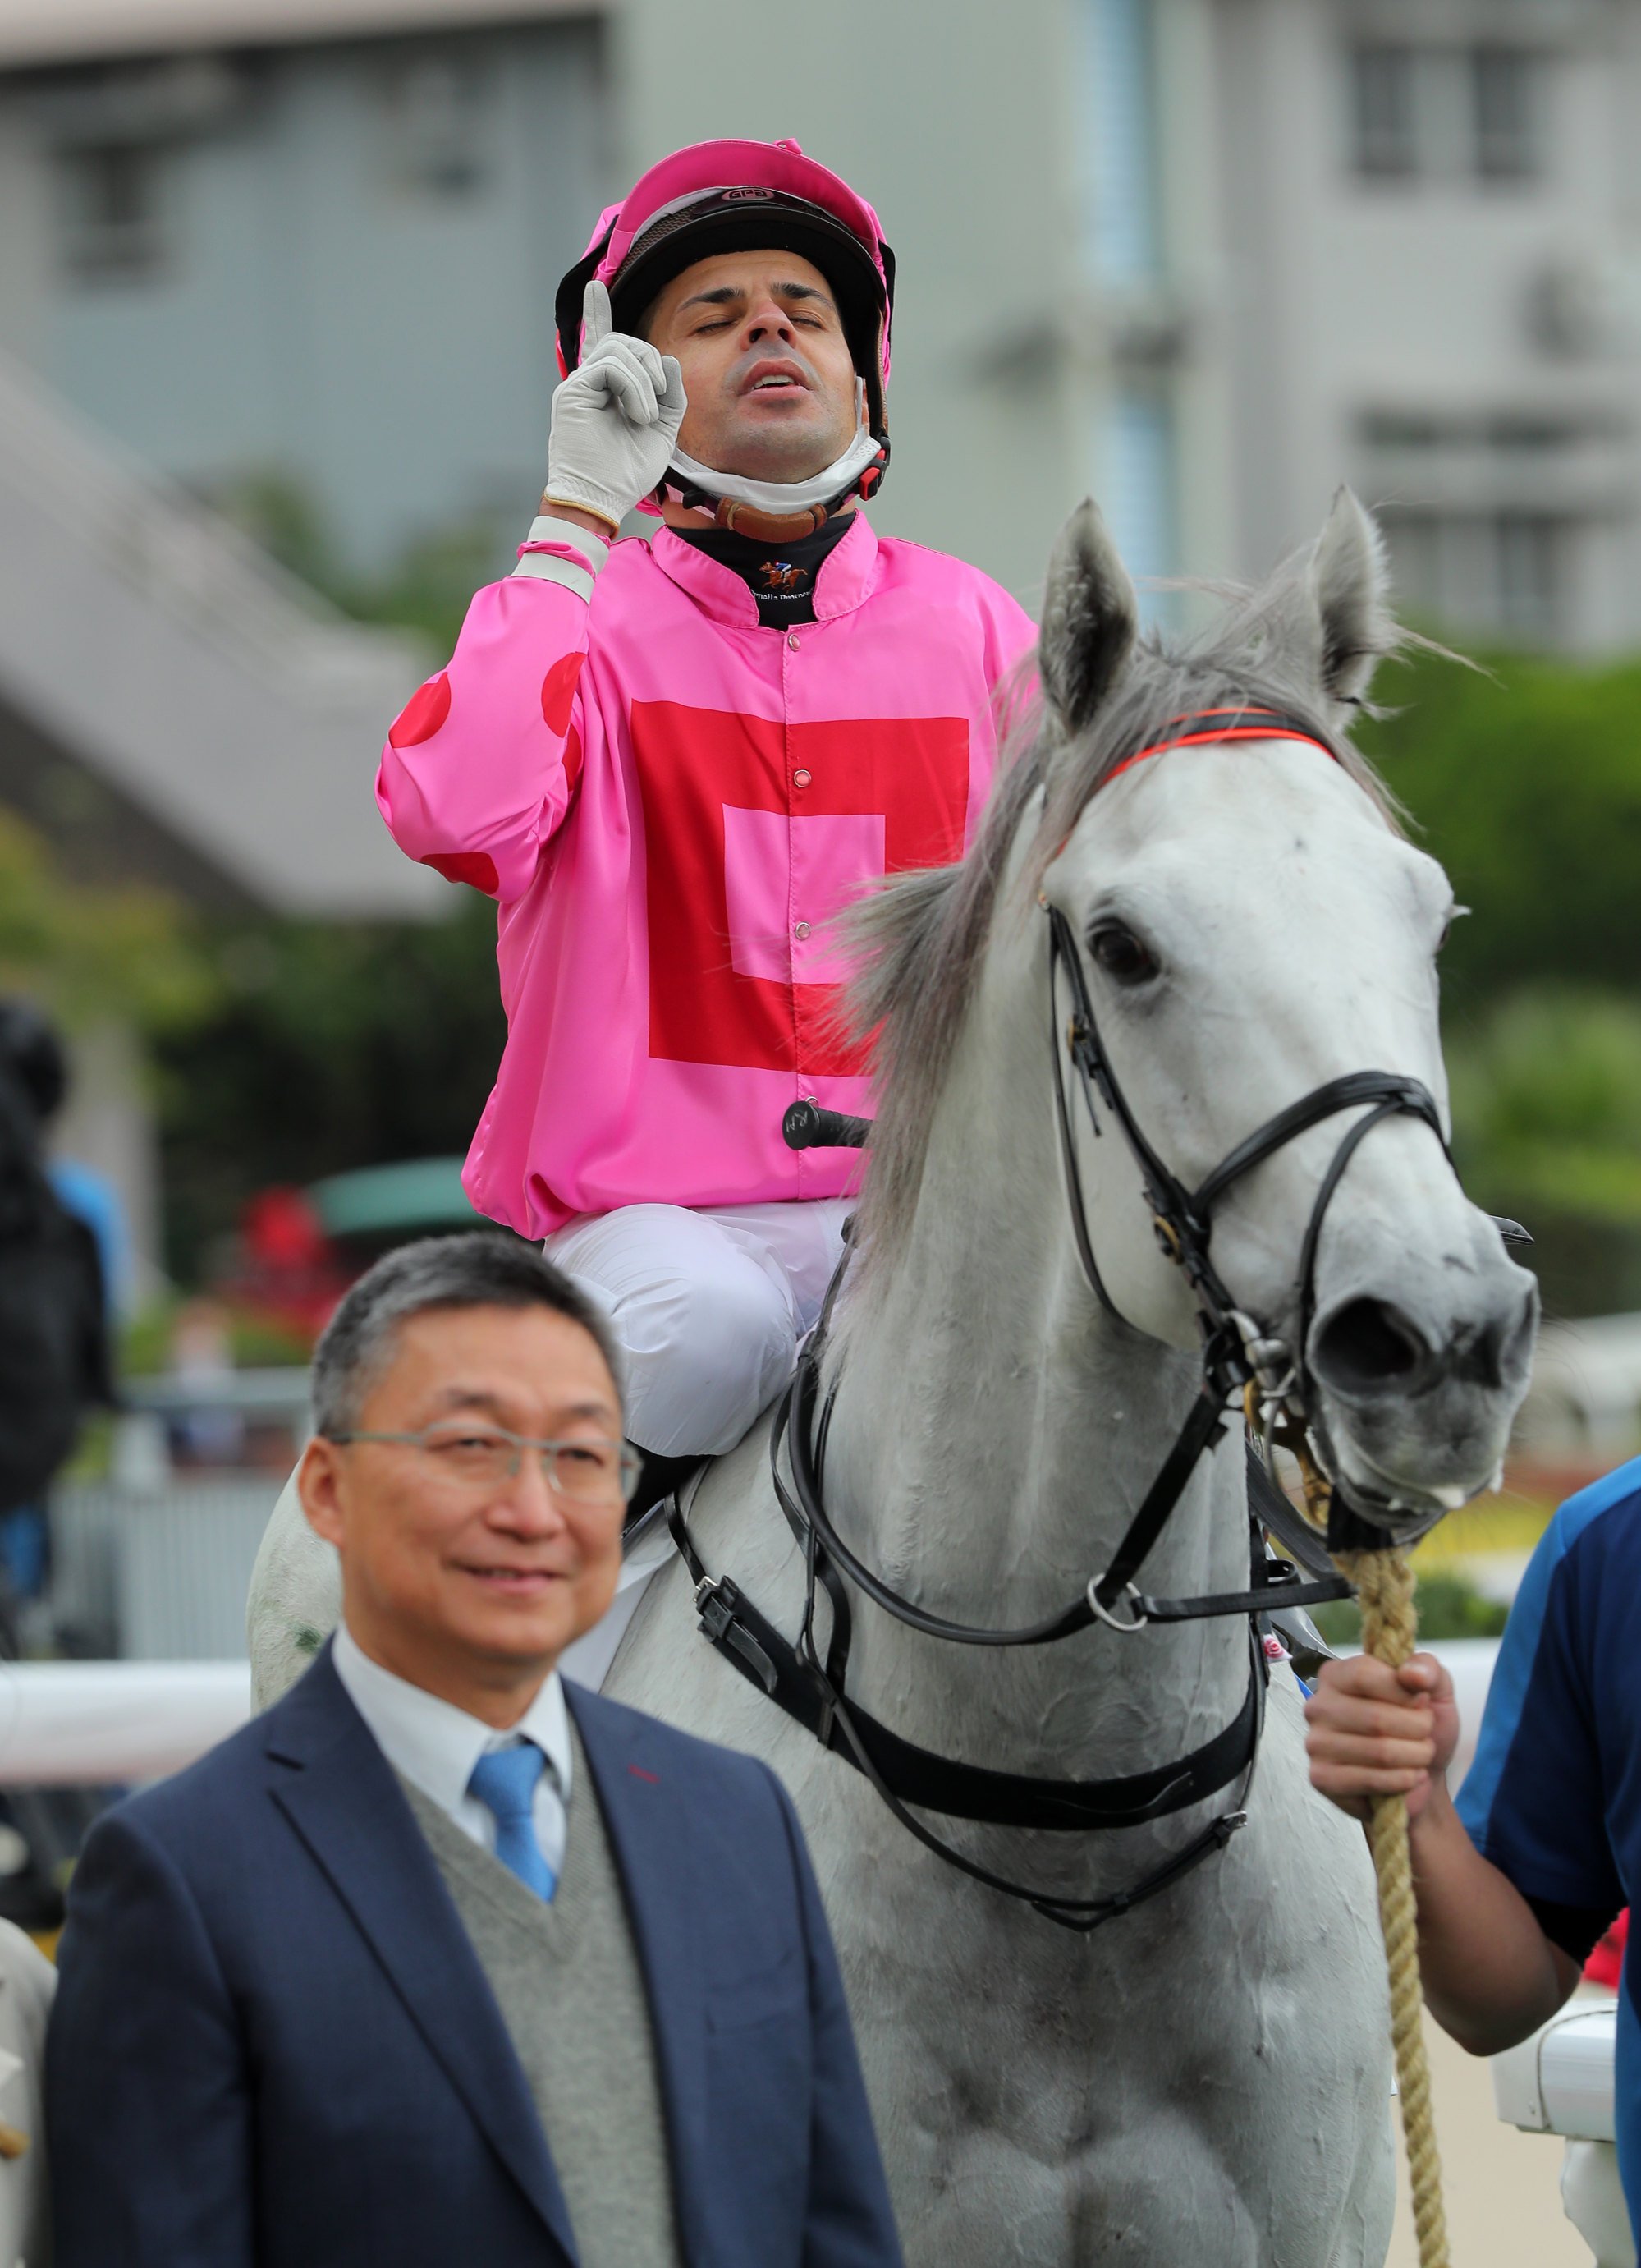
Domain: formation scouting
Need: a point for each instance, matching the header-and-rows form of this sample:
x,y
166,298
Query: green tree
x,y
93,954
1547,1124
1526,783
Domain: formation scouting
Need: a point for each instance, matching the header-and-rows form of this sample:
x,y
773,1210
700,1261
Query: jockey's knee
x,y
703,1355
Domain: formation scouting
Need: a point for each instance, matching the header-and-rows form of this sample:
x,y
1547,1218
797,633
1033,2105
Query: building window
x,y
1503,572
1384,111
1121,219
1134,447
1429,112
1527,574
1504,89
435,123
110,210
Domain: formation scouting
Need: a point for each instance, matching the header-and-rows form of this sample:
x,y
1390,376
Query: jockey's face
x,y
472,1589
767,369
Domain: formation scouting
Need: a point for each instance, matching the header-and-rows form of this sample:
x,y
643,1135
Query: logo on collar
x,y
781,574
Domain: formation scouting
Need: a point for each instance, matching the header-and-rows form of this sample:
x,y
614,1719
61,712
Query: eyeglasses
x,y
479,1456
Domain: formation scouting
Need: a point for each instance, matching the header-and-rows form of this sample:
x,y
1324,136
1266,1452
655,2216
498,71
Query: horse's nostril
x,y
1501,1347
1366,1346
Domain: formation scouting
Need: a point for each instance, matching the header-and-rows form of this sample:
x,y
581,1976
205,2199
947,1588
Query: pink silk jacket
x,y
668,800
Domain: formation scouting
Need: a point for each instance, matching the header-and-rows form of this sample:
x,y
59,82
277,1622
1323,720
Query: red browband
x,y
1242,726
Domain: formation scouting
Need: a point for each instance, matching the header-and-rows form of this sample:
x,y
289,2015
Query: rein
x,y
1238,1362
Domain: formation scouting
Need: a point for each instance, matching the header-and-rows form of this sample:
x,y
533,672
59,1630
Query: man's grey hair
x,y
478,1270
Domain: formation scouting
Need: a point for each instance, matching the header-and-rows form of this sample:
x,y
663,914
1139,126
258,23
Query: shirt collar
x,y
434,1744
843,580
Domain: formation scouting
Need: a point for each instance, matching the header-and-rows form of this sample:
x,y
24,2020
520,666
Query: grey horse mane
x,y
917,943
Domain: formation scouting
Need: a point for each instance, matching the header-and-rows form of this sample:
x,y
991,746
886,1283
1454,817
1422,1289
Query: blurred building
x,y
301,243
1207,257
1204,257
1432,215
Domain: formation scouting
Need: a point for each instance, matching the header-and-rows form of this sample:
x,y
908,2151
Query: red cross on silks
x,y
757,833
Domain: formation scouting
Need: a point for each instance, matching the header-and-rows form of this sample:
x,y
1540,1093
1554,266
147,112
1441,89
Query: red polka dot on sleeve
x,y
558,692
423,713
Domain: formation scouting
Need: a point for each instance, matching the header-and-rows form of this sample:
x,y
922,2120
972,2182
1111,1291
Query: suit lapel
x,y
344,1802
649,1832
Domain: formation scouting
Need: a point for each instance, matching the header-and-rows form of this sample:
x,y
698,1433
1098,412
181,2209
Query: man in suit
x,y
443,1962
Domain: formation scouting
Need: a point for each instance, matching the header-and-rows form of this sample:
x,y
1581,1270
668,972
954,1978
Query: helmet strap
x,y
779,511
769,527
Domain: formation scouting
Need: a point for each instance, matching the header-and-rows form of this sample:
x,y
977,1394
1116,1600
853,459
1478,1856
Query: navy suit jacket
x,y
273,2043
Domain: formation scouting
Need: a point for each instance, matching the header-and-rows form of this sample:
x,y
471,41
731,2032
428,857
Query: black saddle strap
x,y
752,1644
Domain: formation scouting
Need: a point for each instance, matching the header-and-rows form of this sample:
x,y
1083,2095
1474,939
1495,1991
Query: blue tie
x,y
505,1782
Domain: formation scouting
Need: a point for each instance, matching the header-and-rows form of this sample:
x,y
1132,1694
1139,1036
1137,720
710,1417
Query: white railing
x,y
100,1724
1561,2081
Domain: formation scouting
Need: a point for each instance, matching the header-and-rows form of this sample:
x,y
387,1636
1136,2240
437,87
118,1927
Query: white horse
x,y
1205,2078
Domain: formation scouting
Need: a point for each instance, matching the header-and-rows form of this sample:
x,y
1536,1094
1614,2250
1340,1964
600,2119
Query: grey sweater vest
x,y
572,1994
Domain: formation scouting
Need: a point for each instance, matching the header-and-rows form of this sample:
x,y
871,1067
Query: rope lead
x,y
1384,1585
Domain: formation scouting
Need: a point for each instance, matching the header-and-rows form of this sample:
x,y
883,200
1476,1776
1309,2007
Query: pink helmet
x,y
740,196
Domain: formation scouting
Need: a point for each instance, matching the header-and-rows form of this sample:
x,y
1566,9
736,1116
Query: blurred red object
x,y
1606,1964
282,1229
286,1266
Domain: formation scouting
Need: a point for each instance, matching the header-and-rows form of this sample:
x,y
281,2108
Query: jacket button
x,y
800,928
792,640
801,778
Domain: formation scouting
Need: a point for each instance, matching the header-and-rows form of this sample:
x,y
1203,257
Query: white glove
x,y
615,419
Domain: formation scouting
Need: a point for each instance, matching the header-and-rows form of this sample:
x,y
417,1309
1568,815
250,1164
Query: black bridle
x,y
1236,1356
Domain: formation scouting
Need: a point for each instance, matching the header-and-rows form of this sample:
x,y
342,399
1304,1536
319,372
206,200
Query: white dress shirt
x,y
436,1745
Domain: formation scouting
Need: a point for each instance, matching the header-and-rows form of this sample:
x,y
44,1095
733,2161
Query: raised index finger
x,y
595,314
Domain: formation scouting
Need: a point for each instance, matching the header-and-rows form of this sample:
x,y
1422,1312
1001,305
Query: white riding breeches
x,y
707,1308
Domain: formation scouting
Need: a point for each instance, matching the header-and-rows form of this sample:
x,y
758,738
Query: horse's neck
x,y
995,1432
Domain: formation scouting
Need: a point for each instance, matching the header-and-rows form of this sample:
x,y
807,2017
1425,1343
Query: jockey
x,y
670,760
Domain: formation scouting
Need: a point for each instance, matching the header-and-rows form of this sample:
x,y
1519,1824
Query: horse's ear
x,y
1348,584
1089,619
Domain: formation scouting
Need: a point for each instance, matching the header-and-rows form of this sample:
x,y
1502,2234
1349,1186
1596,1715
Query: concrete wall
x,y
317,305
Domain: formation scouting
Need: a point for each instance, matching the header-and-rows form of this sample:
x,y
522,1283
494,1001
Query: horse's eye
x,y
1121,955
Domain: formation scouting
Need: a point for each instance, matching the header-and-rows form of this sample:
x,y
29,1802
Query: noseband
x,y
1240,1361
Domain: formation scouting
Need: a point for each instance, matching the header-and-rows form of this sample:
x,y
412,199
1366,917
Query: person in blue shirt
x,y
1519,1878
